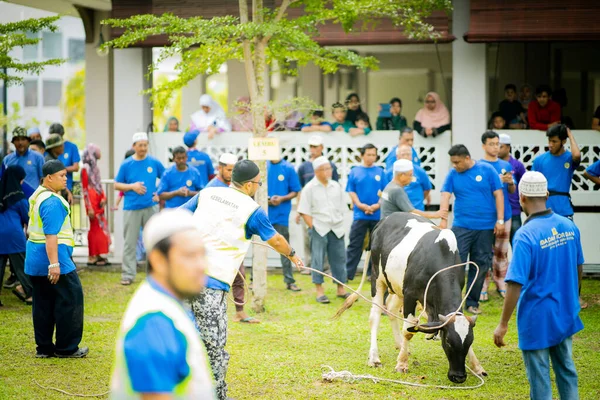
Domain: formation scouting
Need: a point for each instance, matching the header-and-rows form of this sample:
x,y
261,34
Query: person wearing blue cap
x,y
34,133
198,159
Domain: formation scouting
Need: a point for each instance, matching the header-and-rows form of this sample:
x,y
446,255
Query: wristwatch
x,y
500,221
292,253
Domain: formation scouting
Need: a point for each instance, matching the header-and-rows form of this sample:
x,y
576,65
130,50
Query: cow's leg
x,y
393,305
474,364
374,318
410,305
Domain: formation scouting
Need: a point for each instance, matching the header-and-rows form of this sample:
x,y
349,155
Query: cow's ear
x,y
430,327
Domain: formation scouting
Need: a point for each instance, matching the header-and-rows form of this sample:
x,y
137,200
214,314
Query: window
x,y
31,52
76,50
52,93
31,93
52,45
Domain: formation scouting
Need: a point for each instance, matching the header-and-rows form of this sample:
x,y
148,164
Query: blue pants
x,y
537,365
516,223
334,248
286,264
476,246
358,231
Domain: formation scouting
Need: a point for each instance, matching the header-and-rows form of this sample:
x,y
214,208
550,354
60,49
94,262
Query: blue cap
x,y
33,130
190,137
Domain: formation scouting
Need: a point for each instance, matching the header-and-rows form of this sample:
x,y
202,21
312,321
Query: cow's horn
x,y
442,318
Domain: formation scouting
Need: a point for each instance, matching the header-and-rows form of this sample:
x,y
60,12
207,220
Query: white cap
x,y
403,165
139,137
319,161
504,138
228,159
533,184
315,140
165,224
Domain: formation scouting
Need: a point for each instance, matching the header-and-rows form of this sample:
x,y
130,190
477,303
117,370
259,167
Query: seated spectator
x,y
543,113
353,107
434,118
338,110
395,121
525,97
560,97
210,118
34,133
317,123
172,125
596,120
497,121
363,126
292,122
593,173
38,146
511,109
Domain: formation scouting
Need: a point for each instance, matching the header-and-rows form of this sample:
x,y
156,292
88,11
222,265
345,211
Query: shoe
x,y
11,282
42,355
293,287
323,300
473,310
80,353
126,282
343,296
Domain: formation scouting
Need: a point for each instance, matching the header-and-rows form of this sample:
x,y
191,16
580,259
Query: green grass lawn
x,y
283,357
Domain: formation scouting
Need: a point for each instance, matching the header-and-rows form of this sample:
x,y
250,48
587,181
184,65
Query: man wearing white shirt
x,y
322,207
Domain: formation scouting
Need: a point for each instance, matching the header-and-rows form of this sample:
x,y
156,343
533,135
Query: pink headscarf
x,y
435,118
90,163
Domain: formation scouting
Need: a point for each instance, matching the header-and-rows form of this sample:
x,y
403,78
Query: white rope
x,y
71,394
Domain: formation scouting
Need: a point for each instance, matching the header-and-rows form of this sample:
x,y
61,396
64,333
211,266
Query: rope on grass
x,y
71,394
350,377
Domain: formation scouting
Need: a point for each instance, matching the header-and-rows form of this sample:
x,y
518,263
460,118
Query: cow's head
x,y
457,337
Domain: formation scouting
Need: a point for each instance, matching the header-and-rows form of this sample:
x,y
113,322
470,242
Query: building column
x,y
310,79
469,84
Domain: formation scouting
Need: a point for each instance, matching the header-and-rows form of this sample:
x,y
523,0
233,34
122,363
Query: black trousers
x,y
17,265
59,306
358,231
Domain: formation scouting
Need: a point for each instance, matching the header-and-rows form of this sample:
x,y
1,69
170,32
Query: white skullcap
x,y
315,140
319,161
165,224
504,138
139,136
403,166
228,159
533,184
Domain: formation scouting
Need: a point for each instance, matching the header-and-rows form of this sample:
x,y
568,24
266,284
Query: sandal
x,y
483,297
249,320
126,282
323,300
343,296
20,294
502,293
98,263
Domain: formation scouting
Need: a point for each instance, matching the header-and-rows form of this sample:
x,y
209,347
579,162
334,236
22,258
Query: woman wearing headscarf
x,y
434,118
242,121
353,107
172,125
14,217
95,201
210,118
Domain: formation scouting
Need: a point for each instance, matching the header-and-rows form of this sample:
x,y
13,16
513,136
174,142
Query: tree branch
x,y
248,62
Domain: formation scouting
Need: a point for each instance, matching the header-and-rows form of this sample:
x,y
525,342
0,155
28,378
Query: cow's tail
x,y
354,296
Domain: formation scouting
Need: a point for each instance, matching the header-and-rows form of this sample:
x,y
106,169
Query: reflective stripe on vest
x,y
36,228
221,217
147,300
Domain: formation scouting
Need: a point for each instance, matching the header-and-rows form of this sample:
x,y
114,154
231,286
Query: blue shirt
x,y
173,179
391,159
306,172
147,171
518,172
202,162
559,171
155,352
416,188
11,227
282,180
324,123
31,162
70,157
501,167
594,169
53,214
475,204
216,182
366,182
547,251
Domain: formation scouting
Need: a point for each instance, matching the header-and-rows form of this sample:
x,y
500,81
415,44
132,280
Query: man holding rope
x,y
227,218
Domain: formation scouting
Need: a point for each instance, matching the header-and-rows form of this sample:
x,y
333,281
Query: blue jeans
x,y
358,231
334,248
537,365
476,246
515,223
286,264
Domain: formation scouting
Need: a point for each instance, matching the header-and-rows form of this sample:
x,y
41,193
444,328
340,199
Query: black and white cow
x,y
406,251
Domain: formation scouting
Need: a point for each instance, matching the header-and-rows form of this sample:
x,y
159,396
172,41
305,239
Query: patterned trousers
x,y
210,311
500,260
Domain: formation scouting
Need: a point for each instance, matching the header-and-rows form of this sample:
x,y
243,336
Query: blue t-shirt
x,y
11,228
306,172
31,162
366,182
391,159
501,167
325,123
70,157
547,251
417,187
216,182
147,171
53,214
594,169
282,180
173,179
202,162
559,171
155,352
475,204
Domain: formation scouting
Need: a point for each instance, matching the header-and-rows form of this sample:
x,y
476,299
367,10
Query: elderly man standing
x,y
543,280
29,160
57,291
322,207
137,178
407,138
227,218
478,214
419,187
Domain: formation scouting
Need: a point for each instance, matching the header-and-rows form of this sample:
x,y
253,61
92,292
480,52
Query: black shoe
x,y
42,355
80,353
11,282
